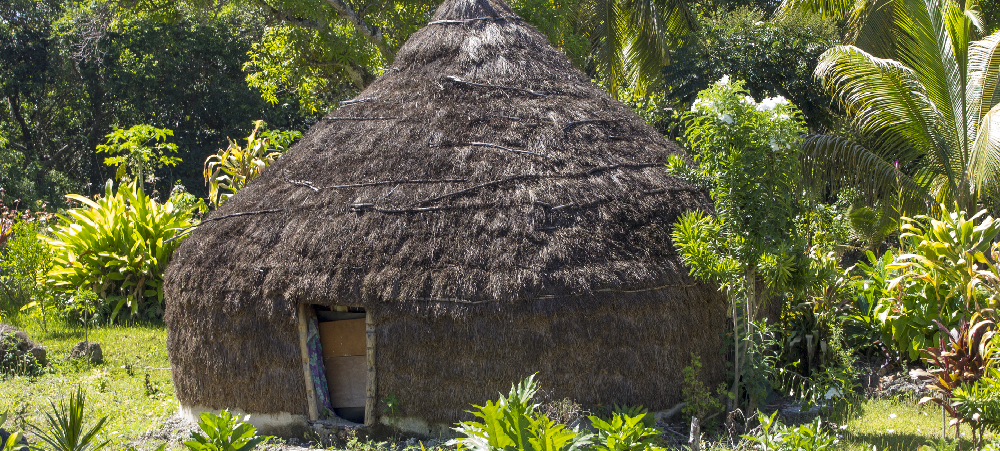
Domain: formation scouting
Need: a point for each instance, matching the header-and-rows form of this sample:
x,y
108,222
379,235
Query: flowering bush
x,y
746,152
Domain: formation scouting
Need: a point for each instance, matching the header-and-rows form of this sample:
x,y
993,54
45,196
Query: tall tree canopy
x,y
70,73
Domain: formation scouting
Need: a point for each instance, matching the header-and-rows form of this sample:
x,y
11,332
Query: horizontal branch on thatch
x,y
455,300
475,19
309,185
508,149
369,118
643,290
570,125
482,85
353,101
302,183
188,229
372,207
527,121
360,208
536,177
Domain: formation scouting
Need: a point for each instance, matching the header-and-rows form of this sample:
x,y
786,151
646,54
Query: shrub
x,y
118,246
747,154
139,152
623,433
775,57
956,368
512,424
815,364
869,283
14,357
978,404
939,281
698,399
223,432
65,431
774,436
234,167
26,258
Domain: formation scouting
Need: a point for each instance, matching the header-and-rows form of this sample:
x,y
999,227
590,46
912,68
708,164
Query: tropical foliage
x,y
118,246
223,432
512,423
234,167
66,426
138,152
925,122
775,436
939,281
26,261
773,57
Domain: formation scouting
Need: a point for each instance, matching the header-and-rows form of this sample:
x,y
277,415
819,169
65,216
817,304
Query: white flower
x,y
892,416
783,117
726,118
774,147
701,105
724,80
770,103
749,100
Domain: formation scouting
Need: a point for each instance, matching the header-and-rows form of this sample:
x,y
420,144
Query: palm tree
x,y
871,24
927,125
632,38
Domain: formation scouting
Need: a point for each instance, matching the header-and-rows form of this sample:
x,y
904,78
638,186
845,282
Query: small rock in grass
x,y
87,350
16,341
3,440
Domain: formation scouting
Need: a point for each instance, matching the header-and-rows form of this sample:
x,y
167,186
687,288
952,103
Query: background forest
x,y
851,149
71,72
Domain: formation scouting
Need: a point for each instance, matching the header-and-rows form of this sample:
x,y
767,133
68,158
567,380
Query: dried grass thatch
x,y
496,212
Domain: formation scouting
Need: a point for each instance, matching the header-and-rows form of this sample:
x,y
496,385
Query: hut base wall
x,y
626,349
419,427
282,424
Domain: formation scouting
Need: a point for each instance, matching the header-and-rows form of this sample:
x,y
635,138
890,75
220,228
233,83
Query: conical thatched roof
x,y
481,166
480,170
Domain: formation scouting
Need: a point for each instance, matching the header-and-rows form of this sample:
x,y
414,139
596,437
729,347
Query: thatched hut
x,y
484,211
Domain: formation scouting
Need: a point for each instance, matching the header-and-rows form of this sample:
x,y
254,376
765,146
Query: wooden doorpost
x,y
370,391
304,316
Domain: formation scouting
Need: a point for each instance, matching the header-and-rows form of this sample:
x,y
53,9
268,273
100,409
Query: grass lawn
x,y
892,424
117,388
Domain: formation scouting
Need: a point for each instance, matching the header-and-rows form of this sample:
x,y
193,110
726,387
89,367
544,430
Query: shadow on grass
x,y
64,334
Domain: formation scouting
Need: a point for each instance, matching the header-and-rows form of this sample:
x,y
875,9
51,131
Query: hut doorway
x,y
344,344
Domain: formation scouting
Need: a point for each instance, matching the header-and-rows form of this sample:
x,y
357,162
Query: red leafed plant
x,y
961,359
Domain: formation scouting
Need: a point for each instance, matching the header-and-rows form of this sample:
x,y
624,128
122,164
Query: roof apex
x,y
472,9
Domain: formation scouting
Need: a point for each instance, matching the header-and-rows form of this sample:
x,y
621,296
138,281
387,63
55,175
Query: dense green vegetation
x,y
849,149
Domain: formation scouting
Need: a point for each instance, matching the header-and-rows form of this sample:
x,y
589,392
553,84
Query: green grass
x,y
892,424
132,407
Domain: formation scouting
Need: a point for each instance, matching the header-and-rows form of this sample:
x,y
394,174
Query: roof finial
x,y
472,9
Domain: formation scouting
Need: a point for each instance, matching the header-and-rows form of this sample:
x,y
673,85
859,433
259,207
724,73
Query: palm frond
x,y
634,38
983,92
836,162
611,43
882,96
871,26
828,9
984,160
